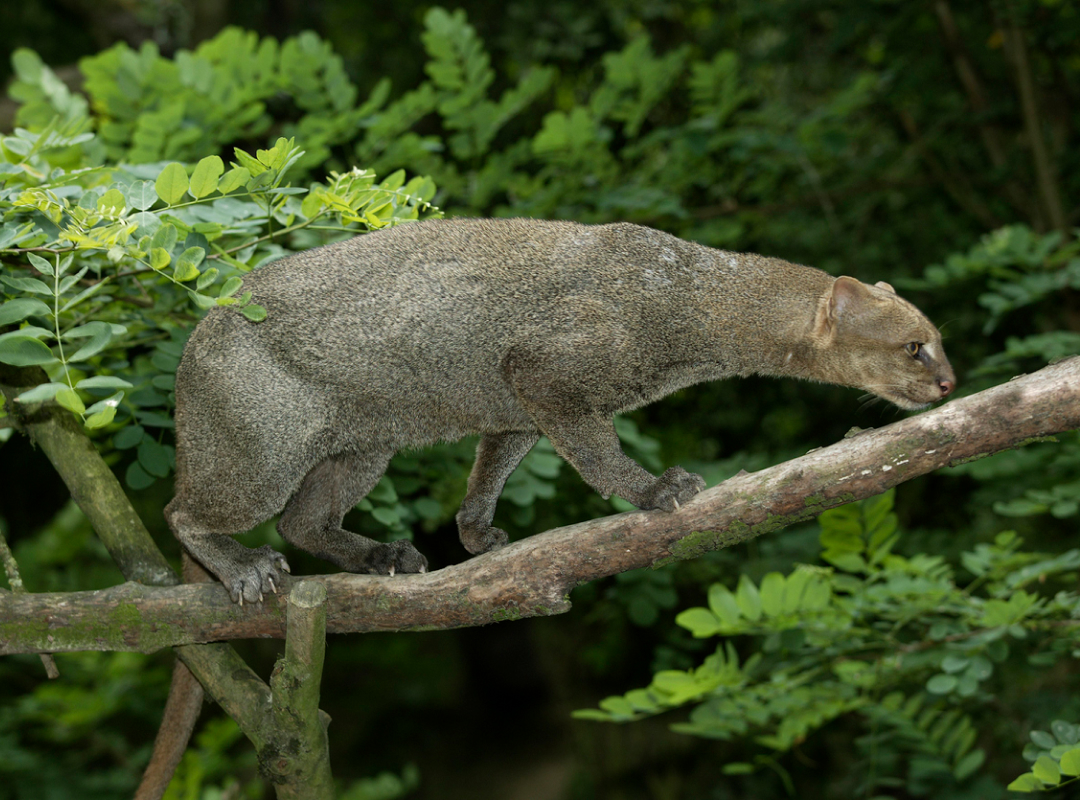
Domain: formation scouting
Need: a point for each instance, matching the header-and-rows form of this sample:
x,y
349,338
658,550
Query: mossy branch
x,y
297,758
534,576
94,487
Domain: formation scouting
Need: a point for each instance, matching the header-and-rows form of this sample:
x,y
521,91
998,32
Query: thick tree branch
x,y
534,576
92,484
98,493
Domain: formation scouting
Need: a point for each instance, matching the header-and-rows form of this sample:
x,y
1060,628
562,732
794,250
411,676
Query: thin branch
x,y
533,577
968,76
11,570
1046,175
954,183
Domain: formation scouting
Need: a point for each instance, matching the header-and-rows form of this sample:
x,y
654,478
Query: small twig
x,y
967,74
1046,176
954,183
11,569
819,191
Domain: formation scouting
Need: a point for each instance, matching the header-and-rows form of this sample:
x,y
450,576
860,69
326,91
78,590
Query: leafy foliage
x,y
115,262
896,640
1054,758
1017,271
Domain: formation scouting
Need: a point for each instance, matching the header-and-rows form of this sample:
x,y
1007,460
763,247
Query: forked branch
x,y
534,576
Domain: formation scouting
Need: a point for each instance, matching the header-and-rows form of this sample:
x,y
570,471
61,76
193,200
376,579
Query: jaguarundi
x,y
507,328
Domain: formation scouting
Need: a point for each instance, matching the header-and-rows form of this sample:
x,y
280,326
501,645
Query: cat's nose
x,y
946,387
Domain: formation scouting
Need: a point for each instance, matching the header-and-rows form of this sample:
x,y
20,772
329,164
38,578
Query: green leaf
x,y
722,603
231,287
591,714
187,266
41,264
142,195
40,393
942,684
129,437
112,202
1046,770
737,768
20,308
206,278
618,706
24,351
136,477
386,516
101,418
204,179
748,598
108,402
202,301
99,340
1065,732
772,594
980,668
954,663
817,594
1025,783
1042,739
793,590
699,621
1070,762
103,382
848,562
967,765
28,65
172,183
67,398
394,181
233,180
165,237
249,163
32,285
254,312
159,258
153,457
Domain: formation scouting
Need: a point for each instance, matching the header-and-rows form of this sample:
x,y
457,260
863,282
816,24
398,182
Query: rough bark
x,y
534,576
297,758
95,489
92,484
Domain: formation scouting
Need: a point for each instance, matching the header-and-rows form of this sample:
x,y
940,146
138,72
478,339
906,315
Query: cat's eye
x,y
913,349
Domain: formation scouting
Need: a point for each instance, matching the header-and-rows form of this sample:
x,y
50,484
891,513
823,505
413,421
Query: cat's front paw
x,y
673,488
393,558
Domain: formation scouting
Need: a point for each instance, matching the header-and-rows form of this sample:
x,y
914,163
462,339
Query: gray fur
x,y
508,328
